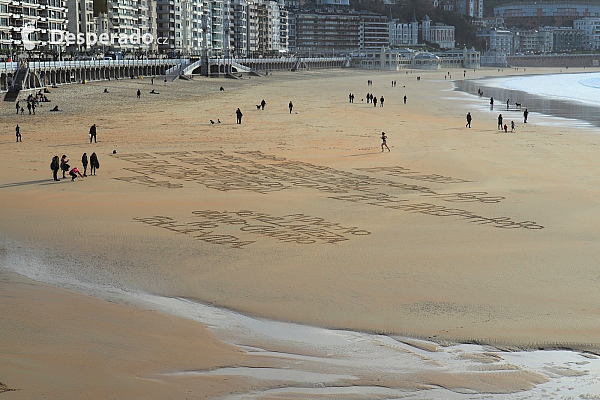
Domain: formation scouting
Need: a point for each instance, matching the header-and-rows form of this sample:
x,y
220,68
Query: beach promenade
x,y
456,235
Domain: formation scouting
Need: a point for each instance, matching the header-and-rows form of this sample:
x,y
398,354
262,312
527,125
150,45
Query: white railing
x,y
102,63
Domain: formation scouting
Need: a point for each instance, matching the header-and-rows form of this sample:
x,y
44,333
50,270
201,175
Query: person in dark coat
x,y
93,133
525,114
94,164
84,162
291,106
239,115
263,103
55,166
500,121
469,119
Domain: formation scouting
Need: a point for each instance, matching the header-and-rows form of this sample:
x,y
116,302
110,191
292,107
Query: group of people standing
x,y
373,99
63,165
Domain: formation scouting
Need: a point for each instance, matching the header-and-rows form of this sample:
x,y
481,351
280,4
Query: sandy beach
x,y
456,235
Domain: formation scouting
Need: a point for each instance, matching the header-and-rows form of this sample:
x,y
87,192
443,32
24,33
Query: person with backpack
x,y
94,164
55,166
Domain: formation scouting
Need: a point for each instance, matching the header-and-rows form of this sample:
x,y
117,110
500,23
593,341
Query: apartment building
x,y
591,29
374,31
41,15
320,32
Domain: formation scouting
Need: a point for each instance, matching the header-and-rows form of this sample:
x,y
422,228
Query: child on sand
x,y
384,144
74,172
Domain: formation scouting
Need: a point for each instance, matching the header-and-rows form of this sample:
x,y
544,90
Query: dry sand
x,y
457,234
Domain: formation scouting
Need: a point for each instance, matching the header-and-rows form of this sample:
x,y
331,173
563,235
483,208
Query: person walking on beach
x,y
18,107
368,96
404,99
491,103
505,128
33,107
94,164
525,114
55,166
29,107
139,93
18,133
263,103
93,133
512,126
350,98
64,164
152,81
469,118
239,115
507,103
375,101
291,106
381,100
383,142
84,162
500,121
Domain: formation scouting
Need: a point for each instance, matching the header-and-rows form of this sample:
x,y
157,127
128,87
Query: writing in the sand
x,y
292,228
261,173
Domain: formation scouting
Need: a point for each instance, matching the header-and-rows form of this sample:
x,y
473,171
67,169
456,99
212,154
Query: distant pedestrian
x,y
512,126
375,101
263,103
404,99
394,83
74,172
29,107
33,107
525,114
381,100
368,97
94,164
491,103
505,128
152,81
500,121
18,107
55,166
469,119
18,133
291,106
93,133
165,81
383,142
139,93
239,115
350,98
64,164
84,162
507,103
22,111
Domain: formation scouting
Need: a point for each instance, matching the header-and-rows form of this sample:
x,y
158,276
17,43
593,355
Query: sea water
x,y
574,98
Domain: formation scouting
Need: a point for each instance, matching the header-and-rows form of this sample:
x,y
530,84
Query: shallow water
x,y
582,111
326,363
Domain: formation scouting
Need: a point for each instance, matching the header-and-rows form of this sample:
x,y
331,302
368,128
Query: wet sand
x,y
457,234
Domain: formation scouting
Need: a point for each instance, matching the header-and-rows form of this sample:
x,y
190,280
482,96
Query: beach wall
x,y
557,61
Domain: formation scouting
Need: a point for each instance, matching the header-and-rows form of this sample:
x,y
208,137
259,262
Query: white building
x,y
404,34
41,15
497,40
438,33
591,29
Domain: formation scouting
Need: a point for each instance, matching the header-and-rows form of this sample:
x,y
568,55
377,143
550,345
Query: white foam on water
x,y
583,88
